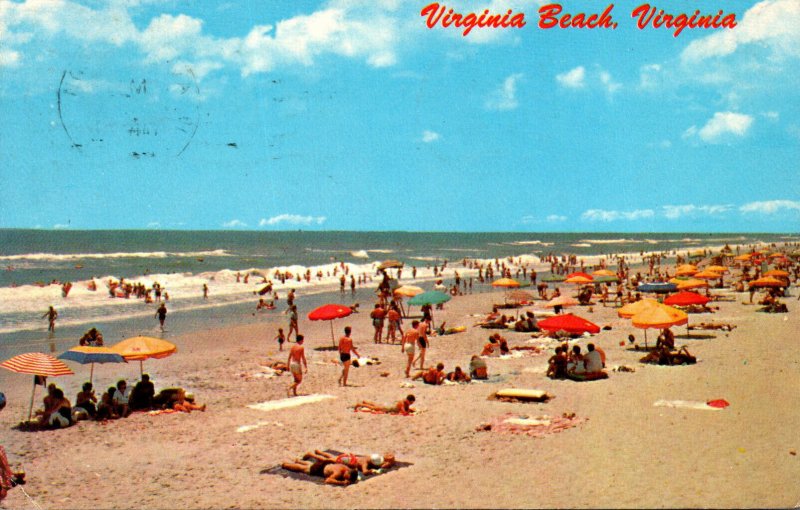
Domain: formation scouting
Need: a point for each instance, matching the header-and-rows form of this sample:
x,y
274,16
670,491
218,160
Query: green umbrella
x,y
432,297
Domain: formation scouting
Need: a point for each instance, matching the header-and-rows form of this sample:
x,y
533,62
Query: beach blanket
x,y
537,426
318,480
248,428
711,405
272,405
520,395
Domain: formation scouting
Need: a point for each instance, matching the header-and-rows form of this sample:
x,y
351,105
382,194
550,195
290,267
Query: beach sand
x,y
628,452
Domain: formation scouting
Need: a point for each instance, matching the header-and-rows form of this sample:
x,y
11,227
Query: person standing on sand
x,y
205,291
297,355
161,313
408,345
345,349
51,315
293,321
422,341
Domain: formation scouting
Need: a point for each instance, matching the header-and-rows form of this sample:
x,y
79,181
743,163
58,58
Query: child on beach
x,y
281,338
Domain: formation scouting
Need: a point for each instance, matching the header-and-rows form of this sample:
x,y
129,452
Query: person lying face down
x,y
400,407
457,375
433,376
333,472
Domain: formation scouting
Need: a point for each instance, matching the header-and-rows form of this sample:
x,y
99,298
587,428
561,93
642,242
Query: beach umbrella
x,y
603,272
563,301
330,312
36,363
85,354
686,298
140,348
519,296
743,257
631,309
707,275
606,279
717,269
432,297
689,283
390,264
408,291
768,281
659,317
569,323
579,273
579,279
506,283
778,273
658,287
686,270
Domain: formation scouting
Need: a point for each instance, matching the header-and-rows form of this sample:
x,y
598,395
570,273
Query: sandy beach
x,y
625,452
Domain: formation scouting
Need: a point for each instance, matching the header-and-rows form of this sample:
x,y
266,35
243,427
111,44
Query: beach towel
x,y
318,480
712,405
520,395
248,428
537,426
284,403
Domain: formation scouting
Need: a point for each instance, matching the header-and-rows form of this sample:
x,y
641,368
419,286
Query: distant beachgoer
x,y
399,407
297,356
377,315
333,473
434,375
478,368
184,402
457,375
280,338
345,349
121,399
422,342
51,315
293,321
367,464
557,364
408,345
161,313
394,318
205,291
87,400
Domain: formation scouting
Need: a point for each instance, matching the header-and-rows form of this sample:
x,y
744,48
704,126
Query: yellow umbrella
x,y
632,309
579,280
659,317
707,275
689,283
143,347
743,257
686,270
505,282
604,272
408,291
778,273
768,281
717,269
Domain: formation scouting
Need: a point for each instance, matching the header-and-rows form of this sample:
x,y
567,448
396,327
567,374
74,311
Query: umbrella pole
x,y
91,373
141,368
33,395
645,339
333,340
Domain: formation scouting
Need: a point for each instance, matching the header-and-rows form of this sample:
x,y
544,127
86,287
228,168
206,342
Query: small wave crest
x,y
115,255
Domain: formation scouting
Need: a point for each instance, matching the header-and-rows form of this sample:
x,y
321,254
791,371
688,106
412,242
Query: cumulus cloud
x,y
770,206
554,218
678,211
234,224
430,136
722,126
505,97
771,23
292,219
608,82
573,79
604,215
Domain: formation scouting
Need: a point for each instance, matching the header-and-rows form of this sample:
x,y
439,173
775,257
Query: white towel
x,y
272,405
686,404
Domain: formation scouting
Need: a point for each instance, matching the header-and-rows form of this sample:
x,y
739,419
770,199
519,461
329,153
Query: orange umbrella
x,y
707,275
37,364
580,273
604,272
768,281
743,257
140,348
408,291
686,270
579,279
717,269
505,282
779,273
632,309
659,317
689,283
561,301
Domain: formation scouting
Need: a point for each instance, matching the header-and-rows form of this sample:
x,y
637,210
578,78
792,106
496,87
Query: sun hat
x,y
376,459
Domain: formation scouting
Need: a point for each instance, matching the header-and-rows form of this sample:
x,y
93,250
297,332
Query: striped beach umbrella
x,y
37,364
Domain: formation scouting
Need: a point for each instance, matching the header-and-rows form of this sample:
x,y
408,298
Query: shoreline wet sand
x,y
627,452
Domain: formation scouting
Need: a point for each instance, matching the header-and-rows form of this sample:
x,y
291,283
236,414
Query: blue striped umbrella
x,y
90,355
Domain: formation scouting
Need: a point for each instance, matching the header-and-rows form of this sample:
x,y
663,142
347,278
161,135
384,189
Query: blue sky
x,y
353,115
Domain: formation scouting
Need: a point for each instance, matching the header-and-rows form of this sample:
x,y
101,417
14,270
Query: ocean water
x,y
183,261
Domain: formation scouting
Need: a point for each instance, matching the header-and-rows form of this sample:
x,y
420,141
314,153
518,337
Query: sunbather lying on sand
x,y
333,472
399,407
713,326
663,356
457,375
432,375
367,464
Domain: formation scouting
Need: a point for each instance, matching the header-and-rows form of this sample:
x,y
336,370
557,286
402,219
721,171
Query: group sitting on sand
x,y
568,363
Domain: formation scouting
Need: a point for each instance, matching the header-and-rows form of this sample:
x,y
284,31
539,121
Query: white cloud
x,y
771,115
770,206
650,76
608,82
677,211
292,219
234,224
154,224
505,98
61,226
9,58
723,124
604,215
771,23
556,218
573,79
430,136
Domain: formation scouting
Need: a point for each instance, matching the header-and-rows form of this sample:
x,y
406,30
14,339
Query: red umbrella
x,y
686,298
569,323
330,312
36,363
581,274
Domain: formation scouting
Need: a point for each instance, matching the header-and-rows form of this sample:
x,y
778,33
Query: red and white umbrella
x,y
36,363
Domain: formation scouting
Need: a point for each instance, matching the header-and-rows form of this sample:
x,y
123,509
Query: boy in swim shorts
x,y
297,355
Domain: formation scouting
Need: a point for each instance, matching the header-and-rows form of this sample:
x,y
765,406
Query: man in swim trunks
x,y
161,313
422,341
292,321
433,376
399,407
51,315
408,344
346,349
333,472
297,355
377,315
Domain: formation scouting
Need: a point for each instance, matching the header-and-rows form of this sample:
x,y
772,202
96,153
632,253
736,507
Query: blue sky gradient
x,y
353,115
